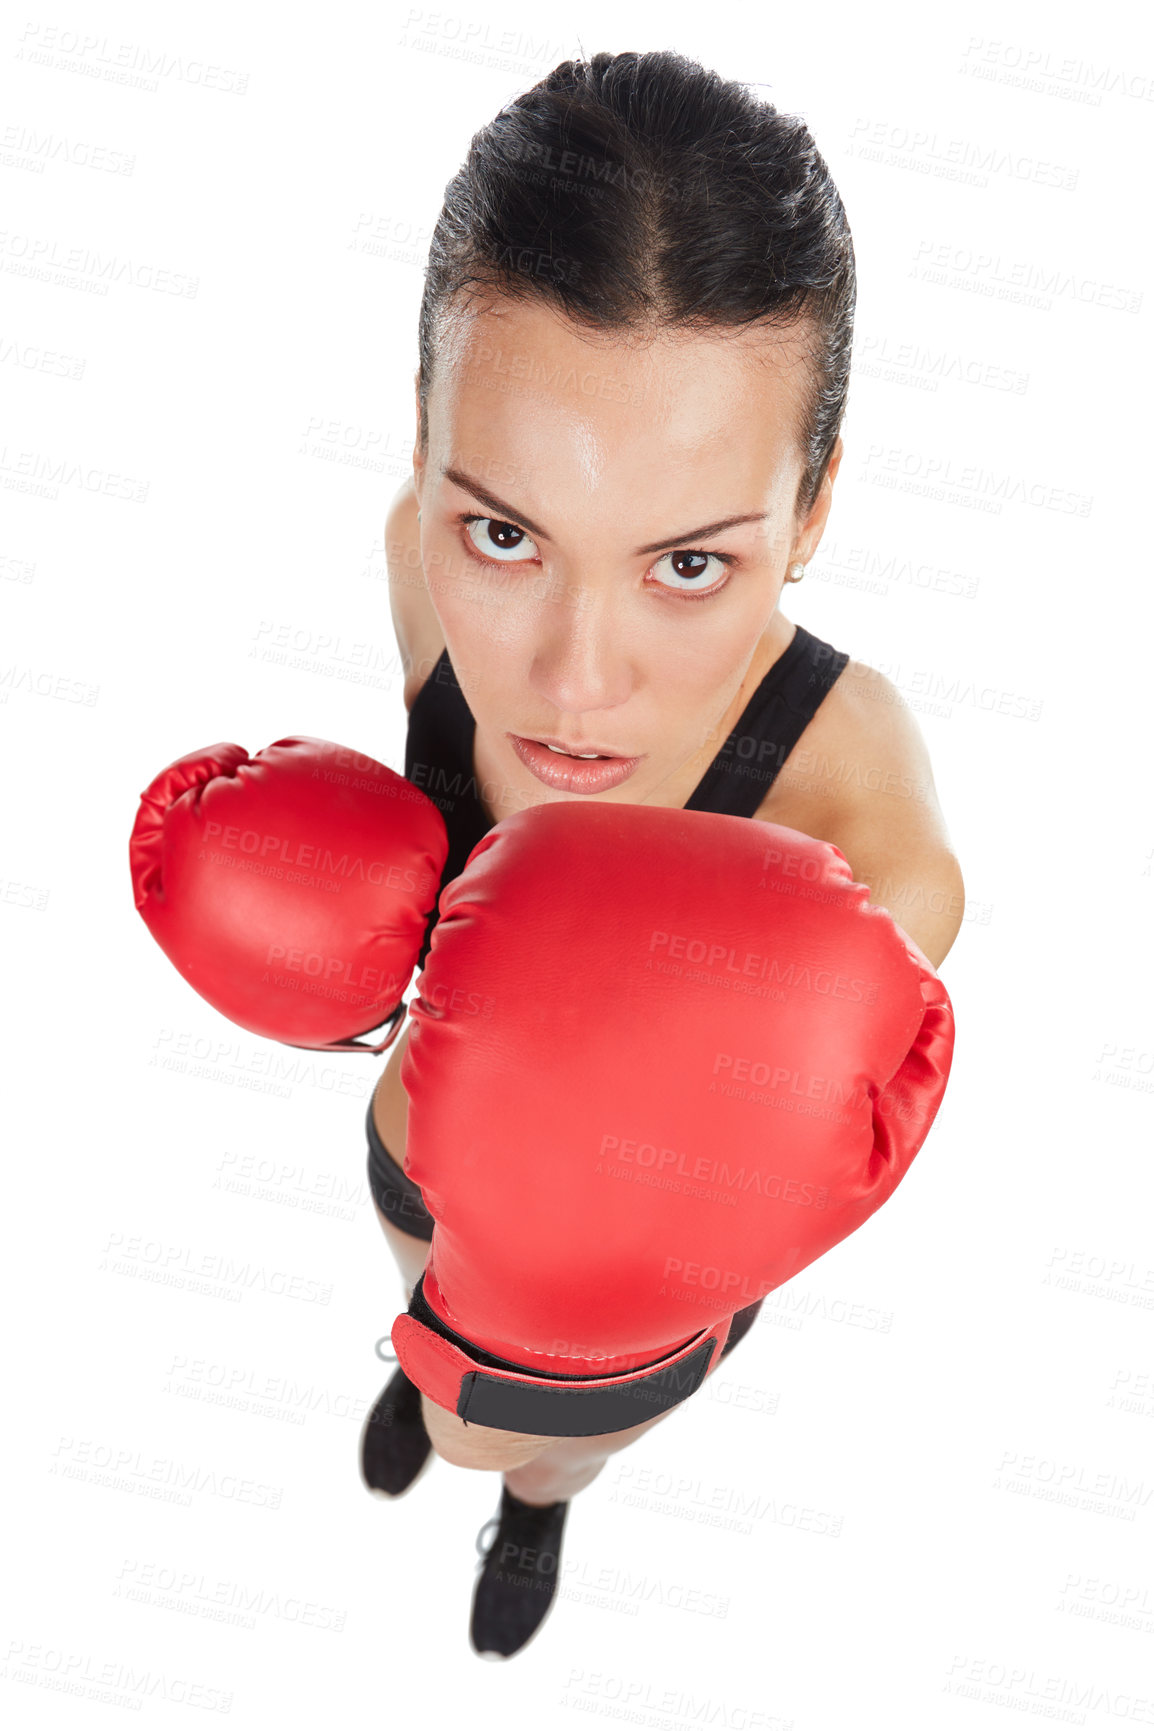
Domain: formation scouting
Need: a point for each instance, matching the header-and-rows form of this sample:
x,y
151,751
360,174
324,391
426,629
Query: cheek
x,y
499,612
491,643
703,662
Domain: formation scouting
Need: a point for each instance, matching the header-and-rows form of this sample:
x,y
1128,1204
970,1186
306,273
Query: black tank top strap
x,y
439,746
769,727
439,760
439,757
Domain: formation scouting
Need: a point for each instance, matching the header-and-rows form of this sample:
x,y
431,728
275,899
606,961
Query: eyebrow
x,y
509,514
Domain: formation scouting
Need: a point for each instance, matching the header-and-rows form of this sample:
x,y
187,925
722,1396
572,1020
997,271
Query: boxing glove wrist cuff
x,y
392,1023
484,1389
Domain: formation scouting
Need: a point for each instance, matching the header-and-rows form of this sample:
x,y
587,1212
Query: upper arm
x,y
886,818
909,872
414,624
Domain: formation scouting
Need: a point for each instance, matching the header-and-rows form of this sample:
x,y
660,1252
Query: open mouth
x,y
585,772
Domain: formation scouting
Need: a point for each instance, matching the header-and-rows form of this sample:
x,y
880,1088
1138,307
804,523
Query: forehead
x,y
520,375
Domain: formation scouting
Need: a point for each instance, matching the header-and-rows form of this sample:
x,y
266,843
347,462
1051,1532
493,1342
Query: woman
x,y
634,356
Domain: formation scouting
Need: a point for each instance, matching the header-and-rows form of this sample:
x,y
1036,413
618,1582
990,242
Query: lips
x,y
574,775
586,750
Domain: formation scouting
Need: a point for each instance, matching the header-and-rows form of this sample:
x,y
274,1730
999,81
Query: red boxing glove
x,y
291,889
661,1061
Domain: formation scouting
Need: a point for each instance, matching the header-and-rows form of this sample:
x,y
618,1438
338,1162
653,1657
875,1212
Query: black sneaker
x,y
395,1445
518,1577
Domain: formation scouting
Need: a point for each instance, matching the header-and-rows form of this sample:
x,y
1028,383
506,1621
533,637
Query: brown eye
x,y
692,572
502,542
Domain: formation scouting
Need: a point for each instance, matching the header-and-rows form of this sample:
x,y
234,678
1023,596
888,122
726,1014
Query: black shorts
x,y
394,1192
400,1201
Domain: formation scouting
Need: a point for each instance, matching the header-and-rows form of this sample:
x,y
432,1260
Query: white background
x,y
939,1513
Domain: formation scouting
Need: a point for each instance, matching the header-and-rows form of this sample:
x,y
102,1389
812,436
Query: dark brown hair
x,y
633,190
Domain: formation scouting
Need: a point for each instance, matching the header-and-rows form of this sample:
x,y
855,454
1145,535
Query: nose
x,y
580,664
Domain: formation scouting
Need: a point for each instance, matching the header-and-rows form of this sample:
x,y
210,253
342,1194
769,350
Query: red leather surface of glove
x,y
661,1061
291,888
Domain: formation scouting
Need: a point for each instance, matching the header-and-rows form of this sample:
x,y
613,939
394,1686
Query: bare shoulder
x,y
415,625
860,777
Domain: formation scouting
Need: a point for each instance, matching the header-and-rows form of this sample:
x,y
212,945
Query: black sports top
x,y
439,746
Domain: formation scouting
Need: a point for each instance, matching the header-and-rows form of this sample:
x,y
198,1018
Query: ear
x,y
418,454
814,526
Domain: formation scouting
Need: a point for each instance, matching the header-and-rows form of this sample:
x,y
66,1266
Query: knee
x,y
555,1476
475,1445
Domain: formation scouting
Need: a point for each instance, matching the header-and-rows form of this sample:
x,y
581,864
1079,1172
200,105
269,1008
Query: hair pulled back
x,y
638,191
